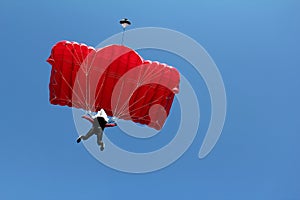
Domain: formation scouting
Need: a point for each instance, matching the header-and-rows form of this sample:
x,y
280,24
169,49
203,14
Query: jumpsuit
x,y
99,125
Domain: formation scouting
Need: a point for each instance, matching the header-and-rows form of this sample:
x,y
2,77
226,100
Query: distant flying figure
x,y
125,22
99,121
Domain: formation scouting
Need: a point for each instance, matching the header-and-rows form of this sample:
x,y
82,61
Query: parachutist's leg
x,y
87,136
99,136
99,139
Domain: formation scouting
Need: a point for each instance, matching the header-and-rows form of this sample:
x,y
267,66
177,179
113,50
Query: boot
x,y
102,146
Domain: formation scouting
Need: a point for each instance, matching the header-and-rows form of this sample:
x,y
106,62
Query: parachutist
x,y
99,121
124,23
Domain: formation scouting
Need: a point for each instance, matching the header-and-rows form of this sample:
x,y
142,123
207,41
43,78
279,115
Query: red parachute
x,y
115,78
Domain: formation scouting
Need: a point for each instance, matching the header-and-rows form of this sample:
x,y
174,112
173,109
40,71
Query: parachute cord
x,y
123,36
86,92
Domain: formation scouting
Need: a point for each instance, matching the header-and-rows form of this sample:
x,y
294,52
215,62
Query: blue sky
x,y
255,45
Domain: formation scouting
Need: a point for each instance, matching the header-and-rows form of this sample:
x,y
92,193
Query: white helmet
x,y
101,113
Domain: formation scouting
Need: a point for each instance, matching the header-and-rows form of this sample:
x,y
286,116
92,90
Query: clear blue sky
x,y
256,47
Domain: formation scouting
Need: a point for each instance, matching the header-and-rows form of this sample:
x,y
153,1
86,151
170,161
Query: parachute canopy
x,y
115,78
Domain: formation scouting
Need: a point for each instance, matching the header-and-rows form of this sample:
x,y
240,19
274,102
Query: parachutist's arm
x,y
88,118
111,124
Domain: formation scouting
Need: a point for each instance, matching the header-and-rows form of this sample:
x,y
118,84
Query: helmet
x,y
101,113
